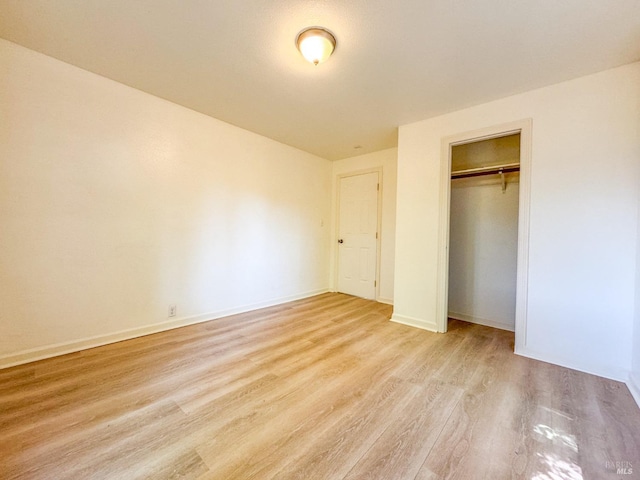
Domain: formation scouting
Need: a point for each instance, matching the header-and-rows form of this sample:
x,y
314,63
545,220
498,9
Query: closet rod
x,y
474,172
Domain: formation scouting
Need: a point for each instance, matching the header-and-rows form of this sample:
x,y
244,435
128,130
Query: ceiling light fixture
x,y
316,44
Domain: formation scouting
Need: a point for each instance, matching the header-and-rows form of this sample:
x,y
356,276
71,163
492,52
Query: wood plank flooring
x,y
322,388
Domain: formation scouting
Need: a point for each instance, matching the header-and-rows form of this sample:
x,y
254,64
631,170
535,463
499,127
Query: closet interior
x,y
483,234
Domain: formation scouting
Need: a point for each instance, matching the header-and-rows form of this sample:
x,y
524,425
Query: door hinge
x,y
375,283
376,235
378,187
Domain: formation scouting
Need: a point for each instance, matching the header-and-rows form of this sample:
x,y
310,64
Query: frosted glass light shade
x,y
316,44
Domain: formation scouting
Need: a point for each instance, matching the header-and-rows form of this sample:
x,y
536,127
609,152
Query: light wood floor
x,y
323,388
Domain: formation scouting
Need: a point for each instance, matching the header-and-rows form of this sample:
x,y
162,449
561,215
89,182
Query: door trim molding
x,y
524,127
336,257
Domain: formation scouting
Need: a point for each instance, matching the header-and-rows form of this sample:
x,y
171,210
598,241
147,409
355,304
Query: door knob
x,y
340,241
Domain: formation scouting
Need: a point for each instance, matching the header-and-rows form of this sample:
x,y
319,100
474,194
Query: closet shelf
x,y
493,169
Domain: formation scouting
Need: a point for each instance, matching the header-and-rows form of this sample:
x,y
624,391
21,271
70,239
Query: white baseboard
x,y
481,321
605,371
385,300
414,322
633,384
55,350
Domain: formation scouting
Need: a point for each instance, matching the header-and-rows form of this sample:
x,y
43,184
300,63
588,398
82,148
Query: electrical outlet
x,y
172,310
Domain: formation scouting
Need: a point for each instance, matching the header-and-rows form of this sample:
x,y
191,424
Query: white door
x,y
357,235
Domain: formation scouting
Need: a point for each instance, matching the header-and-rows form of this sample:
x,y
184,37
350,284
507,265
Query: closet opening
x,y
489,166
483,231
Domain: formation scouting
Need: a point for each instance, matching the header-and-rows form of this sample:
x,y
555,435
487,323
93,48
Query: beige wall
x,y
583,216
634,377
115,204
387,160
483,249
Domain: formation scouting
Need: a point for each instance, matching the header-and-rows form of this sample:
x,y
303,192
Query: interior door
x,y
357,235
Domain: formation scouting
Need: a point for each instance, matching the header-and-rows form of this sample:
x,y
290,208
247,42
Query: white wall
x,y
115,204
634,377
483,248
583,217
387,160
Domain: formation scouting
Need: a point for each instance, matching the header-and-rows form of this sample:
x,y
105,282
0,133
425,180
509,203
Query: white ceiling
x,y
396,61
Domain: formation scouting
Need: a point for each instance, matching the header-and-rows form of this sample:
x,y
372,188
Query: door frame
x,y
524,127
336,257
